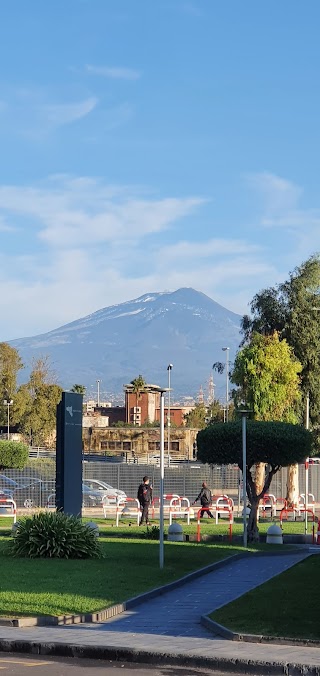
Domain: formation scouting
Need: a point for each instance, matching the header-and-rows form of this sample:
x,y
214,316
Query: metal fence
x,y
31,487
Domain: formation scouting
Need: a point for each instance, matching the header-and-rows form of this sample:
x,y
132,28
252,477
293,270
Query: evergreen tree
x,y
10,365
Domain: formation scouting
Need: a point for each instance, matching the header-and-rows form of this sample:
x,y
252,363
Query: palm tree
x,y
78,389
138,386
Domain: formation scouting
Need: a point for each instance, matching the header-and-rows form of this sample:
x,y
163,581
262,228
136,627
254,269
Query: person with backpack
x,y
145,499
205,498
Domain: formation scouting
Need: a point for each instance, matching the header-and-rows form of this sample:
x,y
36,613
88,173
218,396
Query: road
x,y
17,665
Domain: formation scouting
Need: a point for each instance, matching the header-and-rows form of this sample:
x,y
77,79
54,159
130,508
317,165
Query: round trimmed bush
x,y
55,535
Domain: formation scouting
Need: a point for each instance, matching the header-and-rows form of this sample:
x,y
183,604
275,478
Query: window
x,y
115,445
153,445
174,446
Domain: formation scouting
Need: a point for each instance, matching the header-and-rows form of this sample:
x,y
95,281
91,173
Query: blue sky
x,y
152,144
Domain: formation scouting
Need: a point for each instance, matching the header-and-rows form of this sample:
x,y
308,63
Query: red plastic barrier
x,y
208,509
285,510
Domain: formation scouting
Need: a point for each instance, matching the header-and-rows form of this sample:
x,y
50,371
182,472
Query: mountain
x,y
115,344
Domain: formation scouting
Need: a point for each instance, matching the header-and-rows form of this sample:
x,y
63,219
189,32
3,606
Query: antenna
x,y
200,395
211,386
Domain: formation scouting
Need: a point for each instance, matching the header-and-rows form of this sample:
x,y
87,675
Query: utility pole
x,y
226,350
98,392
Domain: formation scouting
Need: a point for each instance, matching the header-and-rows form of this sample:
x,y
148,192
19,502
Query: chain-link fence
x,y
32,488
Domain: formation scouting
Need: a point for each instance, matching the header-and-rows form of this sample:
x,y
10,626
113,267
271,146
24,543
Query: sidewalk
x,y
167,628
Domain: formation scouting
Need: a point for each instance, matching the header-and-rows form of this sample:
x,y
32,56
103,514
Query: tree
x,y
267,374
277,444
78,389
197,417
138,386
13,455
10,365
291,310
39,421
38,401
202,415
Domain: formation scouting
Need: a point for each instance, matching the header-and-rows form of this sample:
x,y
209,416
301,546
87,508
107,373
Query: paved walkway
x,y
170,624
178,612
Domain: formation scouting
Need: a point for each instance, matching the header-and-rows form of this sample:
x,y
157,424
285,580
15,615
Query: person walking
x,y
205,498
145,499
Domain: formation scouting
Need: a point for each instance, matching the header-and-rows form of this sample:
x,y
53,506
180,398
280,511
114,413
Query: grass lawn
x,y
286,606
208,527
54,587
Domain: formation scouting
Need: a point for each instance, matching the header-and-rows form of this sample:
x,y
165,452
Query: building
x,y
141,406
124,435
139,444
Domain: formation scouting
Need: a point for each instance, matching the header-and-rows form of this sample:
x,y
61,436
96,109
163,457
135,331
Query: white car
x,y
109,494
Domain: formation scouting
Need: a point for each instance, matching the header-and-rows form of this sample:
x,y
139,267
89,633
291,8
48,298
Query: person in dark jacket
x,y
205,498
145,499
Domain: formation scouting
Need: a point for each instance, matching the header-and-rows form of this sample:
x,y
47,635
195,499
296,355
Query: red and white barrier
x,y
268,502
224,506
286,510
179,508
168,500
4,502
208,509
311,502
129,509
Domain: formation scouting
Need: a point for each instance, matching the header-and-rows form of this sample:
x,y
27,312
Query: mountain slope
x,y
115,344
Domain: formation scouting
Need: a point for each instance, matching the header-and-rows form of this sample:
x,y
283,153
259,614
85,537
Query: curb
x,y
226,633
112,611
123,654
220,630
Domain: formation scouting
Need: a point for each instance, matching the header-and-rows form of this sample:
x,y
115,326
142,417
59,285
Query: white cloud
x,y
281,209
209,248
96,244
114,72
64,113
34,113
278,193
85,212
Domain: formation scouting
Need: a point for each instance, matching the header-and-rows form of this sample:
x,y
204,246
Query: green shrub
x,y
152,533
55,535
13,454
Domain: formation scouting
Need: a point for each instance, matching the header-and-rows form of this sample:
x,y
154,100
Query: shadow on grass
x,y
54,587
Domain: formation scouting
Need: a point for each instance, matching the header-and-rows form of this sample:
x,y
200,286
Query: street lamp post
x,y
169,369
244,414
306,472
161,538
161,391
98,392
8,403
226,350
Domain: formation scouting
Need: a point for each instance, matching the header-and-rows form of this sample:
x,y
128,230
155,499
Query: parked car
x,y
90,497
26,493
110,494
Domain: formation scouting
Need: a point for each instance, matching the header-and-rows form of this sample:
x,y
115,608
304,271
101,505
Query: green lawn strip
x,y
54,587
6,522
287,605
109,528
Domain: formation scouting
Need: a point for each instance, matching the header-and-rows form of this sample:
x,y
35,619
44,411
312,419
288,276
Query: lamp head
x,y
169,367
224,349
